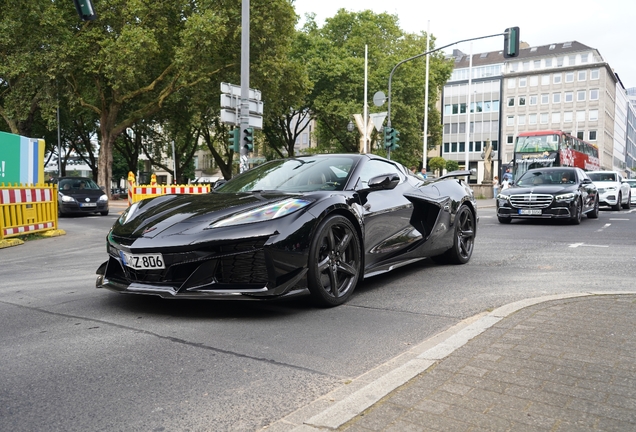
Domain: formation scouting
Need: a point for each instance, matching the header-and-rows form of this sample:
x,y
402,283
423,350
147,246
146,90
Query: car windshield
x,y
543,177
602,176
77,184
293,175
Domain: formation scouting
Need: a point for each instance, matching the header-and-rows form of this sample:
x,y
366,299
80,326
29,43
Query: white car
x,y
613,190
632,185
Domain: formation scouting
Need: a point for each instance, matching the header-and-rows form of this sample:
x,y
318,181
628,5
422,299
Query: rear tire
x,y
463,238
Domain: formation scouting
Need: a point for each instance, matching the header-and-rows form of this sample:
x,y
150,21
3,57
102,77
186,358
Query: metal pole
x,y
174,165
59,144
470,76
425,146
245,82
366,105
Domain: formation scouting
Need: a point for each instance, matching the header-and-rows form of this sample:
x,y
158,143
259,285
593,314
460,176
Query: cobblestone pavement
x,y
561,365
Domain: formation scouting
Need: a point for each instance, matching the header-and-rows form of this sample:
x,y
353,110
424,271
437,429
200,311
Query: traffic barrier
x,y
27,209
137,193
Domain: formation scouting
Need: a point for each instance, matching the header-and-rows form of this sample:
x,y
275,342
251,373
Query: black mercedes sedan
x,y
549,193
312,224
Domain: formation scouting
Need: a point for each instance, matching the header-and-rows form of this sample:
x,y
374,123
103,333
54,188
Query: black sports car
x,y
549,193
314,224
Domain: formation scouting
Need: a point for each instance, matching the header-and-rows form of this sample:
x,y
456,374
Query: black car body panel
x,y
554,198
397,218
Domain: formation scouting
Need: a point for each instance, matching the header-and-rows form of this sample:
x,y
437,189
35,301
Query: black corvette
x,y
549,193
315,224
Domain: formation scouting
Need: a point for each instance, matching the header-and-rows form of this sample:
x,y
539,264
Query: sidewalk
x,y
558,363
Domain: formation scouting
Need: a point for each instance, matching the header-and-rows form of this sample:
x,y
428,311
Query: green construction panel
x,y
9,158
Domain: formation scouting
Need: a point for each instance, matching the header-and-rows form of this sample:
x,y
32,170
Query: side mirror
x,y
384,181
586,181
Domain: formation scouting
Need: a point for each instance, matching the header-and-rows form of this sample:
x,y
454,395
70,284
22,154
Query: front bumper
x,y
608,198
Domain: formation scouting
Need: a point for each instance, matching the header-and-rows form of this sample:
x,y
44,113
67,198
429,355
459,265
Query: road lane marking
x,y
574,245
604,226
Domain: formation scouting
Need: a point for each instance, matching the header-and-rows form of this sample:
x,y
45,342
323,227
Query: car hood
x,y
540,189
176,213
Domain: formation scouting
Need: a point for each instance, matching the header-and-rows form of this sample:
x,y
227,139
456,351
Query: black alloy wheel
x,y
335,258
463,239
578,213
593,214
504,220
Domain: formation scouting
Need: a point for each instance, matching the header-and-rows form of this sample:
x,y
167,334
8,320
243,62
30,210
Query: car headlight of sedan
x,y
66,198
565,197
103,198
260,214
503,197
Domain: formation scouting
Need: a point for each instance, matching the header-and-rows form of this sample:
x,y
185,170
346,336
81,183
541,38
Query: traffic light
x,y
85,10
395,139
388,137
511,42
248,139
233,140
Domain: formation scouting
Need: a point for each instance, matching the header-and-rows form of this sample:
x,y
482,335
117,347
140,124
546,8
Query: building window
x,y
572,60
454,127
580,116
522,101
447,109
537,64
454,147
446,147
594,94
579,135
495,106
462,127
455,108
526,65
512,83
534,81
556,98
545,79
521,119
567,117
593,115
560,61
595,74
548,62
511,101
510,121
592,135
556,79
510,139
462,108
556,118
533,100
582,75
447,128
545,98
580,95
462,147
523,82
584,58
544,118
569,77
532,119
568,97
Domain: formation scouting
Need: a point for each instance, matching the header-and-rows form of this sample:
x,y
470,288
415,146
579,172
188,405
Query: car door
x,y
587,189
386,214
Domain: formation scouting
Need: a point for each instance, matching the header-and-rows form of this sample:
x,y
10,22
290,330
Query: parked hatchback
x,y
81,195
632,186
613,191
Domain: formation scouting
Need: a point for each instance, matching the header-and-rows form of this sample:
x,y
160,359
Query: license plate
x,y
530,211
88,205
143,261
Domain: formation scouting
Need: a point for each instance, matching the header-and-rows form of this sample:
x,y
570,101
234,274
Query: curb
x,y
334,415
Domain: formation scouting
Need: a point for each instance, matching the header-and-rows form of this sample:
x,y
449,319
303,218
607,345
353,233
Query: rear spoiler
x,y
460,173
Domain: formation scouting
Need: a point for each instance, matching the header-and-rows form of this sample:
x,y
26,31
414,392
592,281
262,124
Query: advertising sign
x,y
21,159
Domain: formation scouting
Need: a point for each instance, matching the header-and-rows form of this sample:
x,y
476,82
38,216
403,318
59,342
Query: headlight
x,y
103,198
268,212
66,198
503,197
610,188
565,197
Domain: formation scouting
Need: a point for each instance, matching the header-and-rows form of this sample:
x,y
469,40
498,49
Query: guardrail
x,y
27,209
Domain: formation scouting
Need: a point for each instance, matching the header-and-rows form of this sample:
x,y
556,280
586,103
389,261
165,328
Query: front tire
x,y
504,220
628,204
617,206
335,258
578,213
593,214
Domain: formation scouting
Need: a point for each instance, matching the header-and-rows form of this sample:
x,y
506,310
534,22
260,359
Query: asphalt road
x,y
75,358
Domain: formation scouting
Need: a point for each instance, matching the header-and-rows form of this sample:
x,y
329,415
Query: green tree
x,y
451,165
437,164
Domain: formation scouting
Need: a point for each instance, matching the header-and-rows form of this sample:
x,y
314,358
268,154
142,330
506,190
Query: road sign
x,y
378,120
236,91
230,116
233,102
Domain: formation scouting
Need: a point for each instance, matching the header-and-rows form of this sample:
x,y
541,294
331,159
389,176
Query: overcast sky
x,y
607,25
